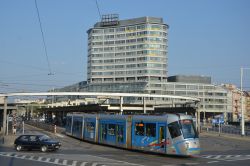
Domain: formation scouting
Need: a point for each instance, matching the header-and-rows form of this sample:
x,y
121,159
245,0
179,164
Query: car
x,y
36,142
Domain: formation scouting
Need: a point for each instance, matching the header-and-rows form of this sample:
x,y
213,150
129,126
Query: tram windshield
x,y
174,129
188,129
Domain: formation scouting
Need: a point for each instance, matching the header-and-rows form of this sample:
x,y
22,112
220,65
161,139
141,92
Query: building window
x,y
130,59
110,30
120,35
141,27
131,28
119,66
109,42
121,29
97,31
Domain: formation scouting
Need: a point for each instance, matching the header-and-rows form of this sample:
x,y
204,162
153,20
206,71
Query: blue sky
x,y
206,37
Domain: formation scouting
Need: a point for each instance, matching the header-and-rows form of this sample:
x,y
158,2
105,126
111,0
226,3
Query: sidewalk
x,y
7,140
224,135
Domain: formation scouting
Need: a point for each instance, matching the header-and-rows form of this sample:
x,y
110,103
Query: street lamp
x,y
242,112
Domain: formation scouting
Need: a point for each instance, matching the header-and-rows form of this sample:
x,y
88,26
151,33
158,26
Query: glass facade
x,y
132,57
133,51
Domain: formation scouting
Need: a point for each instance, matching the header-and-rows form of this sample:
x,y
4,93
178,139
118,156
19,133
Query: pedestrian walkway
x,y
231,136
7,140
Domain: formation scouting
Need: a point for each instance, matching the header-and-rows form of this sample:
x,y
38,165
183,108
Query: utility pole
x,y
242,110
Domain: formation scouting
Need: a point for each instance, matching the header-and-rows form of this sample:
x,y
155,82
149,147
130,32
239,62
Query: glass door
x,y
162,137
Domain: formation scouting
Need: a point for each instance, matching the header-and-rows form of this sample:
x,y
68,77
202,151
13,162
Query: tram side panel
x,y
149,135
68,126
90,128
112,131
77,127
129,132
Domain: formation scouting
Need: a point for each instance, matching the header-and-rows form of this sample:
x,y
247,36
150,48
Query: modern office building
x,y
131,56
214,99
127,55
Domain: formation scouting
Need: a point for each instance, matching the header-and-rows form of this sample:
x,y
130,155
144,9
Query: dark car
x,y
36,142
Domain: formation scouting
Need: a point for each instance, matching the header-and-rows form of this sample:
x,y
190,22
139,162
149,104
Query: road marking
x,y
217,157
39,158
83,163
59,135
210,156
227,157
94,164
191,163
31,157
74,163
212,162
91,160
56,161
23,157
65,162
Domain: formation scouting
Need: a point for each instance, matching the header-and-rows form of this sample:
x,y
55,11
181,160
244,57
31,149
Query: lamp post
x,y
241,96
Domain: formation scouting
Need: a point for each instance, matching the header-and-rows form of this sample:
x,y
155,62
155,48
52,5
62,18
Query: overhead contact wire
x,y
44,44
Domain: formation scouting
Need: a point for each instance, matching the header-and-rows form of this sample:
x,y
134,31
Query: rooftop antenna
x,y
98,9
44,44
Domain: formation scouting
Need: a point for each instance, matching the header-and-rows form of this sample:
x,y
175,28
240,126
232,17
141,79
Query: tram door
x,y
162,137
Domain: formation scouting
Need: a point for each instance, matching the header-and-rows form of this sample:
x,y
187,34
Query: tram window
x,y
150,129
188,129
139,129
77,125
111,129
68,123
104,131
174,129
90,126
120,133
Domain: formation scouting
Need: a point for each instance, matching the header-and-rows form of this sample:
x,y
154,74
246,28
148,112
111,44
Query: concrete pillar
x,y
144,105
121,103
199,120
196,122
32,110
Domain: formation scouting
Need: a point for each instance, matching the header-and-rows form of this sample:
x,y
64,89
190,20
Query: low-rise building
x,y
247,106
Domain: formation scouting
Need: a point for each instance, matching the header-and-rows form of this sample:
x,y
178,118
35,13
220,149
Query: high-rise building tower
x,y
127,55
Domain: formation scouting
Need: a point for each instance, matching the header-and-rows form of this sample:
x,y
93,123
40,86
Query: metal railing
x,y
224,129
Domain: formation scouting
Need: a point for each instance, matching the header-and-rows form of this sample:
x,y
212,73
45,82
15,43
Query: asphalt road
x,y
215,151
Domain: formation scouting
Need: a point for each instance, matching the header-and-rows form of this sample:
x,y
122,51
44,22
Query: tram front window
x,y
174,129
188,129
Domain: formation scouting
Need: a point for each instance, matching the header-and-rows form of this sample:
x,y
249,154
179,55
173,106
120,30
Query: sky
x,y
205,37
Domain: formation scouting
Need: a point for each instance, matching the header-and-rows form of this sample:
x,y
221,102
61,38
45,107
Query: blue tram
x,y
167,134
